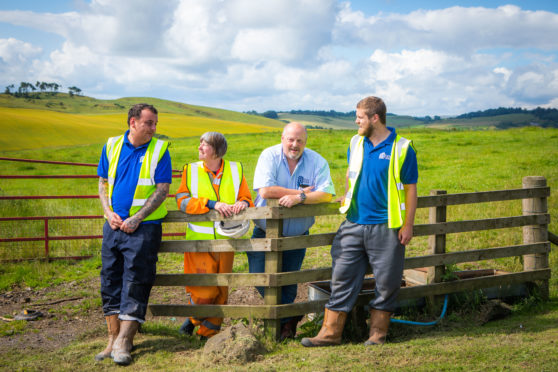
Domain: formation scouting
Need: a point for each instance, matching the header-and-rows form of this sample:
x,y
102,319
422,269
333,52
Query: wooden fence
x,y
535,250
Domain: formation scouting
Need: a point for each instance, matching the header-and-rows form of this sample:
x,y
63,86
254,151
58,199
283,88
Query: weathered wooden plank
x,y
477,225
473,283
553,238
311,275
332,208
218,245
282,311
301,241
229,279
305,210
475,255
302,276
482,197
220,311
317,240
247,214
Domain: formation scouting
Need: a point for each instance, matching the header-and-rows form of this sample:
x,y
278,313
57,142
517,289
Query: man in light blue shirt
x,y
294,175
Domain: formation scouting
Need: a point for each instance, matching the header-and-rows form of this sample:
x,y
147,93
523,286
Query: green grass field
x,y
456,161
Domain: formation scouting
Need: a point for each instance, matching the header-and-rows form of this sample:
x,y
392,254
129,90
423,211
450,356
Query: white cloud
x,y
282,54
15,58
15,52
457,29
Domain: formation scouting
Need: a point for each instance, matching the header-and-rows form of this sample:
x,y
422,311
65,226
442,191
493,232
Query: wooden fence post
x,y
437,244
535,233
273,264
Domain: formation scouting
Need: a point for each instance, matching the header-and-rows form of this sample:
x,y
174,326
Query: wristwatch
x,y
302,197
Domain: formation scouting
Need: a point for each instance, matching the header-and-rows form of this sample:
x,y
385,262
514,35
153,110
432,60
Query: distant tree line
x,y
331,113
427,118
26,89
546,117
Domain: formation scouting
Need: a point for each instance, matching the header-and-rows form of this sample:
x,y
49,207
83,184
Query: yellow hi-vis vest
x,y
146,180
396,192
200,185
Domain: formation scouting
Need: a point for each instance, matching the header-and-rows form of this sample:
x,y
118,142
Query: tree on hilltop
x,y
74,90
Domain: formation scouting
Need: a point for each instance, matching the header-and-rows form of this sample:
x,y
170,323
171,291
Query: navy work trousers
x,y
292,261
128,271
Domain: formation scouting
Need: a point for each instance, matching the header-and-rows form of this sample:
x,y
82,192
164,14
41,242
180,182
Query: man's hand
x,y
114,220
290,200
405,234
130,224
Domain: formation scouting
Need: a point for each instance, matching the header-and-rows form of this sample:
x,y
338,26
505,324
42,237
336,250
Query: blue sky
x,y
423,58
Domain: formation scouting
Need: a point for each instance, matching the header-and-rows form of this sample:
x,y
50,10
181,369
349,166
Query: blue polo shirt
x,y
272,169
369,204
127,175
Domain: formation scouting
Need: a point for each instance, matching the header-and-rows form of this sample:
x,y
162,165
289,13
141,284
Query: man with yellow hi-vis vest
x,y
380,201
219,184
135,173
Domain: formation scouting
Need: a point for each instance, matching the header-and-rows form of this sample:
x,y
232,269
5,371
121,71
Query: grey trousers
x,y
354,248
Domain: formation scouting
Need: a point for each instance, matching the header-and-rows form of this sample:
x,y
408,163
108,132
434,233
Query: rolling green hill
x,y
54,120
328,122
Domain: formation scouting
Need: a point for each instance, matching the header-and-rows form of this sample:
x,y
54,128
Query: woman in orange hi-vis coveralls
x,y
211,183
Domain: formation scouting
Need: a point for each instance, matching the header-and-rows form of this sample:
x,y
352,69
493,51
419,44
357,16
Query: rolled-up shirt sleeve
x,y
265,174
323,178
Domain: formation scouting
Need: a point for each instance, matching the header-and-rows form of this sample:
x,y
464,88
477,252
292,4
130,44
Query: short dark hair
x,y
217,141
135,110
373,105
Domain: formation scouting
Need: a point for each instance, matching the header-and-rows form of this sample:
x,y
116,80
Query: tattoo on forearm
x,y
103,193
153,202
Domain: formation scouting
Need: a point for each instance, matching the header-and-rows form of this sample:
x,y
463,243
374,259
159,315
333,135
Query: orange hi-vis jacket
x,y
207,262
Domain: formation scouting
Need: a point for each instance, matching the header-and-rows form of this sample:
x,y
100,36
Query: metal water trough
x,y
322,289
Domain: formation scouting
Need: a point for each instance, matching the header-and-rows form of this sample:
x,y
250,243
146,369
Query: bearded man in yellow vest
x,y
380,201
135,173
219,184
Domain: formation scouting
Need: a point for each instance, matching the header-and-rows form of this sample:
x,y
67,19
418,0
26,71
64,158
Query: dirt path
x,y
72,310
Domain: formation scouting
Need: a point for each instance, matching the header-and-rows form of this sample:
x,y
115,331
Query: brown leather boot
x,y
331,331
113,325
379,324
123,344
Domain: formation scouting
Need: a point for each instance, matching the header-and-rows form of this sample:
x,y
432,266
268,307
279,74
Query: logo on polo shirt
x,y
302,182
383,155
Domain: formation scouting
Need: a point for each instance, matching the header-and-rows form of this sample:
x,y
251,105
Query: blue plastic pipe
x,y
394,320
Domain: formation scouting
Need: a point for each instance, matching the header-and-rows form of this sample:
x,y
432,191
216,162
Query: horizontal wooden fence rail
x,y
535,249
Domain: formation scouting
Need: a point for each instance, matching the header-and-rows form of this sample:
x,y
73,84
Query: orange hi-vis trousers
x,y
208,263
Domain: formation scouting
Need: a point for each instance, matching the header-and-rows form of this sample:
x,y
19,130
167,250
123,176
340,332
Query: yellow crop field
x,y
25,129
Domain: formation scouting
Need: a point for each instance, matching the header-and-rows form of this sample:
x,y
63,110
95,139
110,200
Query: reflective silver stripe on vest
x,y
236,179
400,186
138,202
184,203
111,181
402,206
112,141
200,229
155,159
146,182
194,181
